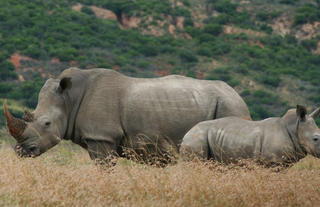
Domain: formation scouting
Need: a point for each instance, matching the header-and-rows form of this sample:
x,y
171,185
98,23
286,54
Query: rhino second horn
x,y
315,113
15,126
28,116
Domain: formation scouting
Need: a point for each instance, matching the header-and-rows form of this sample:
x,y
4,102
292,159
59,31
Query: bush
x,y
7,71
225,6
266,28
66,54
310,44
213,29
221,48
219,74
205,50
180,11
5,88
143,64
87,10
307,13
262,16
289,1
188,22
188,56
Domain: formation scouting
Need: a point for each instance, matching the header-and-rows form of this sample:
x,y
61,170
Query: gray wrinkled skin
x,y
273,140
102,109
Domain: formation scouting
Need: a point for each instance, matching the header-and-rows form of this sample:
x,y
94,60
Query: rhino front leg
x,y
195,145
101,151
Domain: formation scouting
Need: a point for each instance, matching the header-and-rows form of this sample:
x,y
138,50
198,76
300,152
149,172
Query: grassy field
x,y
65,176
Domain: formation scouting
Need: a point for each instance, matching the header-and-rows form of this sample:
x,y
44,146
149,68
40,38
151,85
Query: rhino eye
x,y
32,149
47,123
315,139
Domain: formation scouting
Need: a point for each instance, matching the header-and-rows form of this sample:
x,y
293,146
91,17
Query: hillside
x,y
269,50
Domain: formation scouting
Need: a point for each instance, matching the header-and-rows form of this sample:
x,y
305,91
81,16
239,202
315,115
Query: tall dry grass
x,y
66,176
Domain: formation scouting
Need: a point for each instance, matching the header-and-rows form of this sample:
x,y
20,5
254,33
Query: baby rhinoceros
x,y
274,140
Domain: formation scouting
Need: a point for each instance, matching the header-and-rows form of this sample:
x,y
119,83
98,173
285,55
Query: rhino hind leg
x,y
195,146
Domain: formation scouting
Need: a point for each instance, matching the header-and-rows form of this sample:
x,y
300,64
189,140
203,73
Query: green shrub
x,y
66,54
219,74
289,1
266,28
188,22
143,64
225,6
221,48
213,29
7,71
5,88
87,10
180,11
188,56
121,60
205,38
262,16
307,13
205,51
310,44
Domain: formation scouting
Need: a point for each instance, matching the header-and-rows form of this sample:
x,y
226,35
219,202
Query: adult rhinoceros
x,y
99,109
273,140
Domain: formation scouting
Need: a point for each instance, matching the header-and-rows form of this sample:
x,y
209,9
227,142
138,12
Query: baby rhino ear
x,y
301,112
65,83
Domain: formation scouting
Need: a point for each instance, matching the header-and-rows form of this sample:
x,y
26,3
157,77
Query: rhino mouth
x,y
24,153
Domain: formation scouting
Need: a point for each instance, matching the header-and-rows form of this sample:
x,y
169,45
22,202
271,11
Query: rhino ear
x,y
301,112
65,83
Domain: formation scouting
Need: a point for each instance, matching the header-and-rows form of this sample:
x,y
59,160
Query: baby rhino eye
x,y
47,123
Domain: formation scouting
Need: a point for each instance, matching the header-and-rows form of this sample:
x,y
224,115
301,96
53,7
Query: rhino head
x,y
41,129
307,130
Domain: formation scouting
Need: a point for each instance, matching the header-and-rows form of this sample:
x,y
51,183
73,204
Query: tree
x,y
120,7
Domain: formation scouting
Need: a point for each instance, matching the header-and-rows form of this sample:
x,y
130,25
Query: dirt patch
x,y
153,30
198,17
103,13
235,30
77,7
179,22
55,60
308,31
282,25
99,12
251,42
172,29
130,22
16,58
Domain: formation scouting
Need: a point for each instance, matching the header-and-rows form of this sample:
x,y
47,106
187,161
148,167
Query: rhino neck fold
x,y
300,151
73,100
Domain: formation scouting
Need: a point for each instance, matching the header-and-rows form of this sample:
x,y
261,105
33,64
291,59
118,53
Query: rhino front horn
x,y
15,126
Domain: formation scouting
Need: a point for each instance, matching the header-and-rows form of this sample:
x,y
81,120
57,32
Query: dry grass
x,y
67,177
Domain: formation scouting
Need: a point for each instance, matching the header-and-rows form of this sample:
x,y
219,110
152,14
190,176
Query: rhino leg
x,y
101,151
195,145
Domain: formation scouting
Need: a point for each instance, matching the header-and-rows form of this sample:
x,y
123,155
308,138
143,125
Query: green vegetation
x,y
308,13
